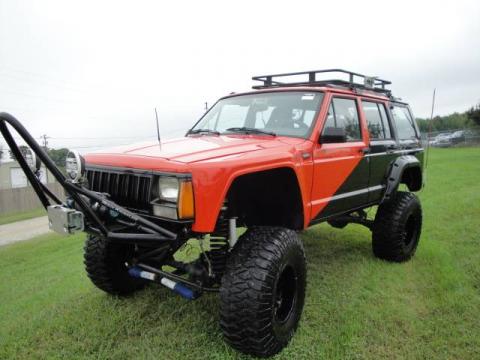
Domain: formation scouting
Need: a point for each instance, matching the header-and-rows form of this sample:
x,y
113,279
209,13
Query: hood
x,y
199,148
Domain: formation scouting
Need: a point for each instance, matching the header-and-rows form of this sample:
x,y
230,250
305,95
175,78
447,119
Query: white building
x,y
12,176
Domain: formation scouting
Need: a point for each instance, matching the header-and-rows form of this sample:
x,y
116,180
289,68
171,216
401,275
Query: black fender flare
x,y
396,171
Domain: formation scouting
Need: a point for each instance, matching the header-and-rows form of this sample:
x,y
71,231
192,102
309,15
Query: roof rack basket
x,y
371,83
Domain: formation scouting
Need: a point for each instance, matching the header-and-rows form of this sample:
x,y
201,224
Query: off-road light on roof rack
x,y
350,79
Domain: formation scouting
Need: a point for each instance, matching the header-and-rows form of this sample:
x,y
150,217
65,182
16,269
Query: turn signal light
x,y
186,206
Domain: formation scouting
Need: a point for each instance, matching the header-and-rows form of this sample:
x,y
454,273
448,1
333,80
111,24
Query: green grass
x,y
18,216
356,306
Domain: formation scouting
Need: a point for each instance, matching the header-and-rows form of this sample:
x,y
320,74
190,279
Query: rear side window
x,y
386,123
377,121
404,123
343,114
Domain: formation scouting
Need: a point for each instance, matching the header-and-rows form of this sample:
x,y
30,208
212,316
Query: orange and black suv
x,y
300,149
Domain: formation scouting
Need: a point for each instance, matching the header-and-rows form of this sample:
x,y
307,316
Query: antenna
x,y
433,104
158,127
430,128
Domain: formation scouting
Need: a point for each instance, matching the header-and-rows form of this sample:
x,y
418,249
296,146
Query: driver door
x,y
341,171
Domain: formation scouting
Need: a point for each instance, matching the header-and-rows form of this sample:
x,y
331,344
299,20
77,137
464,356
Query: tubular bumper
x,y
82,198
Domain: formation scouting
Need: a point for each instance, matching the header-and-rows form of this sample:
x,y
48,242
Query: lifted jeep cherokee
x,y
286,156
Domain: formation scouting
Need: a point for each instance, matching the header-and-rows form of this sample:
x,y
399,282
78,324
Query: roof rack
x,y
369,82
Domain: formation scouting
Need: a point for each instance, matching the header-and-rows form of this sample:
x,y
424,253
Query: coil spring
x,y
218,252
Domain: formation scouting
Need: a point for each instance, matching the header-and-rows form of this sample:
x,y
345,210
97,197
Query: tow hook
x,y
176,287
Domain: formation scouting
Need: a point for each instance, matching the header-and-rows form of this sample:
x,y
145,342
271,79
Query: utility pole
x,y
45,138
206,106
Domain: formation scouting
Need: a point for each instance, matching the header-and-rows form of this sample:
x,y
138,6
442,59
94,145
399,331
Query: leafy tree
x,y
23,150
474,114
58,156
444,123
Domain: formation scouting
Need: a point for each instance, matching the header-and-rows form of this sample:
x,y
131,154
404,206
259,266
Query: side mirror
x,y
333,135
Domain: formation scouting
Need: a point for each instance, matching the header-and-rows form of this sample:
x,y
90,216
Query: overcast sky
x,y
90,73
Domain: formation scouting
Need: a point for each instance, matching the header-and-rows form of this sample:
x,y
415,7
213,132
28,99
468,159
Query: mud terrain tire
x,y
105,265
263,291
397,228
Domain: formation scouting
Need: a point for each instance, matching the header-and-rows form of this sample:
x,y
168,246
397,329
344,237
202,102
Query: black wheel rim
x,y
411,230
285,295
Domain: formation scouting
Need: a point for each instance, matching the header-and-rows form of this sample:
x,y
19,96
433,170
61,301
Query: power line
x,y
48,98
43,77
102,138
42,82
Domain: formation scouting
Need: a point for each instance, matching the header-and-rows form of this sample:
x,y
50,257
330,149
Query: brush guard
x,y
77,213
96,214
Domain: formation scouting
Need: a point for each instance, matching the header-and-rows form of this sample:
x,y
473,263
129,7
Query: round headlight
x,y
74,165
168,188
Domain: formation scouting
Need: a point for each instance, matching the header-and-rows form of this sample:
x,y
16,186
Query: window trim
x,y
355,100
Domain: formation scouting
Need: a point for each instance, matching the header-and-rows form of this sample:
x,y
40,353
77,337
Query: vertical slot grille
x,y
127,189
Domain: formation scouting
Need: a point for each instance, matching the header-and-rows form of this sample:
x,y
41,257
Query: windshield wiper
x,y
203,131
249,130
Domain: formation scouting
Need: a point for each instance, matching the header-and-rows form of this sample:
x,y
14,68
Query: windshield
x,y
281,113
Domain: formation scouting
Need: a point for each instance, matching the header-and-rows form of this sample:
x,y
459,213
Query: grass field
x,y
17,216
356,306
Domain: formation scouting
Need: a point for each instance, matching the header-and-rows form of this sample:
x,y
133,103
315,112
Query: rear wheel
x,y
397,228
263,291
105,263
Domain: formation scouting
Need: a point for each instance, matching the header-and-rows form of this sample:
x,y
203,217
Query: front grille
x,y
126,188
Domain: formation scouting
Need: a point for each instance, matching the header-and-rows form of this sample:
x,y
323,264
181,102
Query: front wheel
x,y
397,228
263,291
105,263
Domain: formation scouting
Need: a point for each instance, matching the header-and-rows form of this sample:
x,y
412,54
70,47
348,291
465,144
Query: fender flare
x,y
396,171
292,173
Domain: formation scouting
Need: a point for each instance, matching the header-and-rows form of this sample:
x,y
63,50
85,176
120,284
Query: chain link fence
x,y
453,138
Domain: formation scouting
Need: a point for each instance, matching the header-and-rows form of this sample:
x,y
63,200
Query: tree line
x,y
467,119
57,155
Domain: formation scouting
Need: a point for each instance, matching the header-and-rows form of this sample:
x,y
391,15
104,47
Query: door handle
x,y
391,148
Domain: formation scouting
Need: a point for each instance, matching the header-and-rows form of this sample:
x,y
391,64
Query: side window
x,y
377,120
403,123
343,114
386,123
346,116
